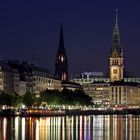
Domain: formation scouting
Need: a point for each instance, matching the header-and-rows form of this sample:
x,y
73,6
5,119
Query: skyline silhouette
x,y
29,31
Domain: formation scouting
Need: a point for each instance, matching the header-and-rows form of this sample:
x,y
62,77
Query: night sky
x,y
29,31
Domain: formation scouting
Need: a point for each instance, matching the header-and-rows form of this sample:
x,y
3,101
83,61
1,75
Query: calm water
x,y
115,127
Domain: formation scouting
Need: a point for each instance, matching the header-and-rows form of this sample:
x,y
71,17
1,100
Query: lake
x,y
94,127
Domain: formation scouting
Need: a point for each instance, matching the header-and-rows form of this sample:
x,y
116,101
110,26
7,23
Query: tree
x,y
29,99
67,97
52,97
5,99
16,100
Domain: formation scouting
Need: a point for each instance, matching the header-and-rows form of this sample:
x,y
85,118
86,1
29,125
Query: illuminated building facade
x,y
25,76
124,93
43,79
96,78
98,91
61,64
21,77
6,78
90,77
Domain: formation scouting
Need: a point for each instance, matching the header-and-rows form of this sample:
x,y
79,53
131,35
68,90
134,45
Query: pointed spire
x,y
61,64
116,34
116,37
116,29
61,41
116,17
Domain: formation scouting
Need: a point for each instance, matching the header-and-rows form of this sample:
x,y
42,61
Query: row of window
x,y
84,80
118,89
47,75
118,98
40,88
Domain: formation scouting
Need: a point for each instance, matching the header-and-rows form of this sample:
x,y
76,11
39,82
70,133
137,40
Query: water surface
x,y
96,127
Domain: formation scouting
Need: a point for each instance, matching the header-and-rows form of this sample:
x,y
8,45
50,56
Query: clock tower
x,y
116,56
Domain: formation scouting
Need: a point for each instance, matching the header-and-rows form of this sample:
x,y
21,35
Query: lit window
x,y
62,58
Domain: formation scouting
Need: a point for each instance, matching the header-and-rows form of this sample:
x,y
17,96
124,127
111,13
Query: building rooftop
x,y
40,69
122,83
70,83
5,66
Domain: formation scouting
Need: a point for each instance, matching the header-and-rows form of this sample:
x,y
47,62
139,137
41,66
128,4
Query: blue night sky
x,y
30,29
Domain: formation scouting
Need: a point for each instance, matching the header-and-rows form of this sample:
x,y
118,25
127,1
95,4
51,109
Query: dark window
x,y
124,89
112,89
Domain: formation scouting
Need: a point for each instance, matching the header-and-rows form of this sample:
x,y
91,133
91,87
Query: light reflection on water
x,y
99,127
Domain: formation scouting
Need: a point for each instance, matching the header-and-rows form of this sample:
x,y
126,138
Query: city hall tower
x,y
116,56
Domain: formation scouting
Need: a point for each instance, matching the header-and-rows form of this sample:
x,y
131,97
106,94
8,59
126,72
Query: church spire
x,y
61,64
61,41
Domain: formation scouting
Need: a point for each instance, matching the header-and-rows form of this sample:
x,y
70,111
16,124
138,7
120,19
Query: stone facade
x,y
21,77
124,94
98,91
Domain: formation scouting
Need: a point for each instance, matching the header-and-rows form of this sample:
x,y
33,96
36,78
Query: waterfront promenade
x,y
66,112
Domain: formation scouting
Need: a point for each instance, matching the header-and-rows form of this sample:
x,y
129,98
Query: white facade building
x,y
98,91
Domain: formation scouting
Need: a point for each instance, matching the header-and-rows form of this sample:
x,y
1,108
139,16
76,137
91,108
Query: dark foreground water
x,y
114,127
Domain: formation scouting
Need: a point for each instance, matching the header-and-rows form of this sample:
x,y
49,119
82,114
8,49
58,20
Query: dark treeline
x,y
51,97
66,97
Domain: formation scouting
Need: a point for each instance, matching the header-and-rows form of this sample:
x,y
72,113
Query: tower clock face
x,y
115,71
